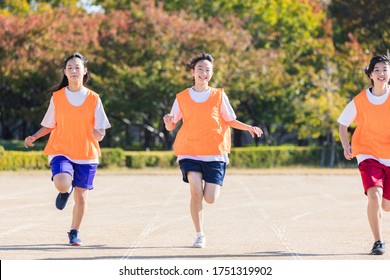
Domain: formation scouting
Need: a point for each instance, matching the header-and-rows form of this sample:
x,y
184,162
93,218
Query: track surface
x,y
273,215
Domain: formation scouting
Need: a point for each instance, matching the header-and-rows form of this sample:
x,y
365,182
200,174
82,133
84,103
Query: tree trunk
x,y
332,152
323,154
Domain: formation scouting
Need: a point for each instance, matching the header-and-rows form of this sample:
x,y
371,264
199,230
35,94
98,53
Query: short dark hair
x,y
202,56
374,60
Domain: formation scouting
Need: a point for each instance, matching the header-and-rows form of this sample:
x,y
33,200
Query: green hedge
x,y
163,159
18,145
112,158
36,160
267,157
16,160
249,157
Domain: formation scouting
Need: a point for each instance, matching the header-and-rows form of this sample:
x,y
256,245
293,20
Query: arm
x,y
253,130
101,122
343,133
229,116
28,142
173,117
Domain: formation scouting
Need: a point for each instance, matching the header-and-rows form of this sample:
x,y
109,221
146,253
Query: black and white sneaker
x,y
378,248
62,199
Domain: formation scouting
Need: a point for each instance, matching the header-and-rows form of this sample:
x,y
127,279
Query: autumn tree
x,y
146,49
32,49
287,65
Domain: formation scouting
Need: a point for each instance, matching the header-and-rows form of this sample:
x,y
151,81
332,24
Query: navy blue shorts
x,y
83,174
212,171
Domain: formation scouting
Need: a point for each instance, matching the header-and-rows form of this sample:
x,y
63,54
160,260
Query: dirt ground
x,y
288,214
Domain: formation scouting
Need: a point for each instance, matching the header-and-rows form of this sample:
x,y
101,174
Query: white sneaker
x,y
200,242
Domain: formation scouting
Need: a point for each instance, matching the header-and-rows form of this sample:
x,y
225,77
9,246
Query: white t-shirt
x,y
77,98
349,114
227,114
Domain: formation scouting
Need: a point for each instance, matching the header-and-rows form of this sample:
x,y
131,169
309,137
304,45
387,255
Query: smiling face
x,y
75,70
380,74
202,72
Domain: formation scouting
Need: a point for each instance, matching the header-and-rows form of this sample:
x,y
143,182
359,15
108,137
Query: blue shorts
x,y
212,171
83,174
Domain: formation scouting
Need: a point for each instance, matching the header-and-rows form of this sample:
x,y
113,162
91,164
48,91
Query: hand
x,y
168,119
28,142
348,153
98,134
255,131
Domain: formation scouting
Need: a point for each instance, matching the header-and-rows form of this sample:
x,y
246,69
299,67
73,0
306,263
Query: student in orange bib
x,y
76,122
370,110
202,143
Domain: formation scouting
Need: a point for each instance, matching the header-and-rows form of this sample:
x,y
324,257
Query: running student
x,y
371,143
202,143
76,122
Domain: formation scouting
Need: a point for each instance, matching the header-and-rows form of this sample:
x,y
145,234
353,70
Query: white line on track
x,y
278,231
152,226
26,226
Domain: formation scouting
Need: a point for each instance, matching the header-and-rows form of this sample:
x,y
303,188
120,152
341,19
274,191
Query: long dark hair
x,y
376,59
65,81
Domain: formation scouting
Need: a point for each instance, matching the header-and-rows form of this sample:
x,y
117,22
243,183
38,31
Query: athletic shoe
x,y
62,199
378,248
73,238
200,242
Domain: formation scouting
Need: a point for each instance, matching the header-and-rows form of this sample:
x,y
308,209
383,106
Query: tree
x,y
277,61
137,64
365,20
24,7
334,83
31,53
145,51
18,7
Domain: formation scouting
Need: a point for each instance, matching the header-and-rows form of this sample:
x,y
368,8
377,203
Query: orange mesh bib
x,y
372,134
203,132
72,135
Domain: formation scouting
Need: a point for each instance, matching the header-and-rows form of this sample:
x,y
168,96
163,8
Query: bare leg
x,y
386,205
374,211
211,192
80,207
196,207
62,182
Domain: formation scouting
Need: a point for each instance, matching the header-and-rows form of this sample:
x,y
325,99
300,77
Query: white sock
x,y
199,234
